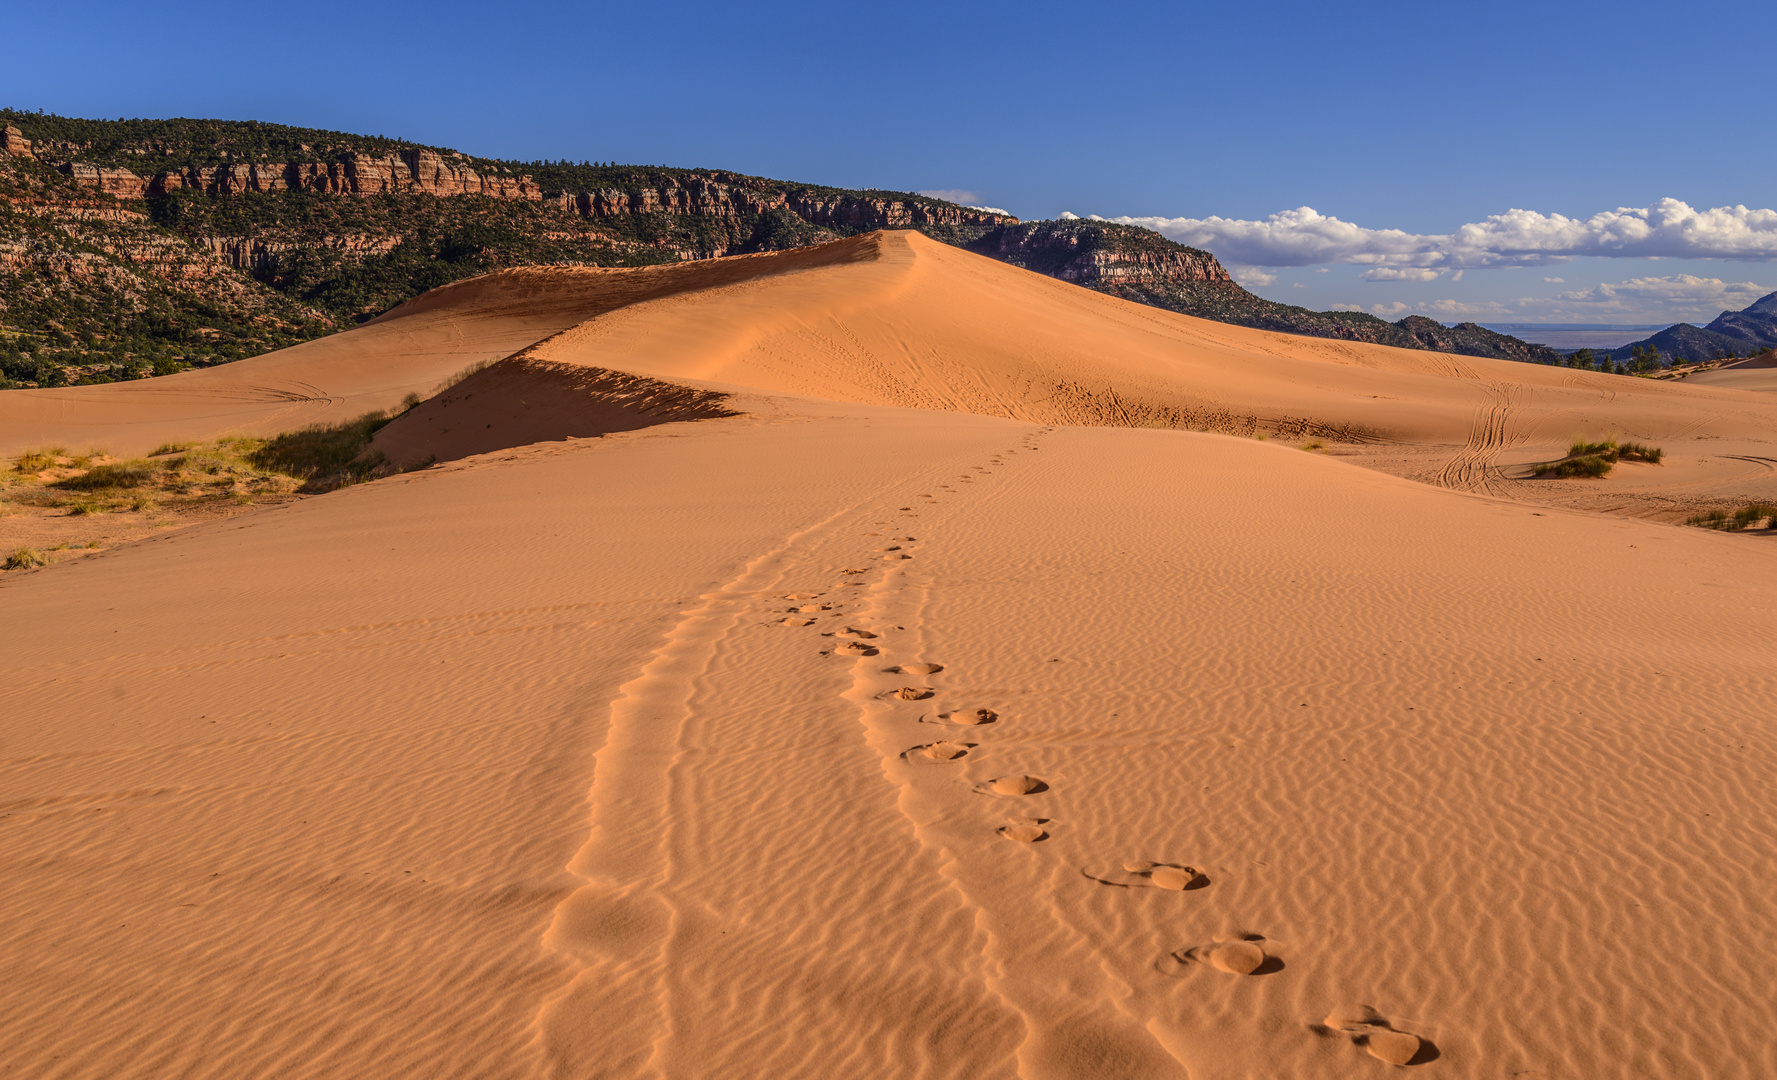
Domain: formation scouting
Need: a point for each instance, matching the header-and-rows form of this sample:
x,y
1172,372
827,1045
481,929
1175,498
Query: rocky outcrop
x,y
1470,339
13,141
119,182
721,196
261,257
1099,254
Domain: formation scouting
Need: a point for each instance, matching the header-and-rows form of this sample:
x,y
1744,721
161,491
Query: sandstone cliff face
x,y
422,171
13,141
119,182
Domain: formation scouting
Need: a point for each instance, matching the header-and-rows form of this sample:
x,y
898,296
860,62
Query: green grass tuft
x,y
322,453
1744,518
1593,467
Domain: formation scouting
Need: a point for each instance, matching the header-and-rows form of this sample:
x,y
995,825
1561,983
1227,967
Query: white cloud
x,y
1347,307
1679,298
1409,273
1556,280
1323,270
1297,285
955,195
1304,236
1250,276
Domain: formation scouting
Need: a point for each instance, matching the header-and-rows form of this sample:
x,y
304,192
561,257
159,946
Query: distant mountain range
x,y
134,247
1750,330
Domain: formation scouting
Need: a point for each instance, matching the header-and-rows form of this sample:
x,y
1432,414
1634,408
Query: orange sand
x,y
590,757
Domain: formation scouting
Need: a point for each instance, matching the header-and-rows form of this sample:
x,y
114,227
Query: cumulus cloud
x,y
1251,275
1304,237
1555,280
968,199
1678,298
1406,273
955,195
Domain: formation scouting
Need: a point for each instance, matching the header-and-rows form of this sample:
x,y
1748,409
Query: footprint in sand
x,y
891,547
965,717
1025,830
909,693
795,621
1236,953
1011,786
942,750
1147,874
803,596
810,609
896,556
854,634
853,648
1378,1035
916,669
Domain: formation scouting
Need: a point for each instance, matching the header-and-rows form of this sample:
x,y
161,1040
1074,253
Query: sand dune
x,y
858,733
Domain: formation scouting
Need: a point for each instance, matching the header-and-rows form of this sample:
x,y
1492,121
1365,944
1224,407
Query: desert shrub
x,y
321,451
25,558
1592,466
170,448
1607,448
36,460
1744,518
122,474
1315,444
81,509
1632,451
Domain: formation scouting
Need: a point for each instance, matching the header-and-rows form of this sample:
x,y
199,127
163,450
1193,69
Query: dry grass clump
x,y
117,474
1743,518
25,558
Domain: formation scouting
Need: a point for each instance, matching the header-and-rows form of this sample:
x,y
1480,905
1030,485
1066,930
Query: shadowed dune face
x,y
520,401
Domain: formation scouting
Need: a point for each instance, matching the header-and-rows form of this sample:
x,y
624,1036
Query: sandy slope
x,y
533,763
306,792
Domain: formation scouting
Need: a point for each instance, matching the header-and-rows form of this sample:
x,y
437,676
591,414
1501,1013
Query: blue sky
x,y
1388,120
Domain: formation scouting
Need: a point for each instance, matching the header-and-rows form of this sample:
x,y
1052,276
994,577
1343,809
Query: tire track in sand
x,y
1491,431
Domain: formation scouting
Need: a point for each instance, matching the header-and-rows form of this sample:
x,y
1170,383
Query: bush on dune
x,y
329,455
1594,459
1744,518
121,474
1592,466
